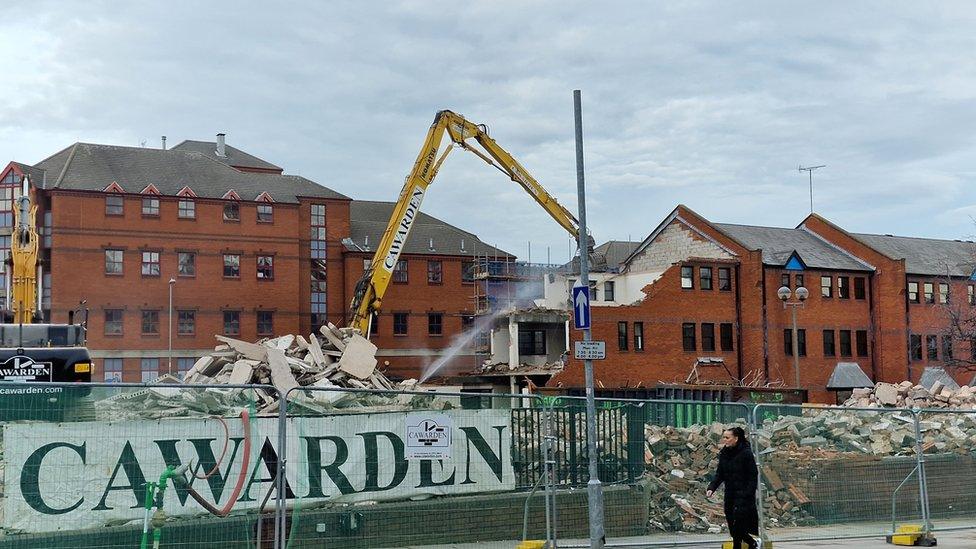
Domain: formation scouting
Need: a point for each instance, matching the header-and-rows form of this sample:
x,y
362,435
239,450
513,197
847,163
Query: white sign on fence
x,y
429,436
69,476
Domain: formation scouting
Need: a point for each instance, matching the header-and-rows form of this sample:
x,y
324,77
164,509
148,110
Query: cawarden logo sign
x,y
402,228
24,368
429,436
70,476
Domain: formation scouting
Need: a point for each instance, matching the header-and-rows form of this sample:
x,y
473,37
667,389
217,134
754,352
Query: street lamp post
x,y
802,294
172,282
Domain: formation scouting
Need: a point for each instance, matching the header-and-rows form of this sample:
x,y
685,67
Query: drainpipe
x,y
738,324
765,321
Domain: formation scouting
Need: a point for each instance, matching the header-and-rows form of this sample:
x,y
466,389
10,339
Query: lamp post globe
x,y
784,293
802,293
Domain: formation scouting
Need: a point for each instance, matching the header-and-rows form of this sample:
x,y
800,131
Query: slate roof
x,y
90,167
848,375
36,175
369,219
926,256
234,156
607,257
931,374
777,244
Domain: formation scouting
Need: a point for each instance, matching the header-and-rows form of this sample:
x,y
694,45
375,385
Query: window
x,y
434,268
708,337
266,267
150,322
374,324
799,281
150,263
801,341
608,290
845,343
232,211
113,321
532,342
232,323
861,342
828,343
149,368
929,291
688,342
266,323
826,286
946,348
843,287
467,270
435,324
622,336
638,336
187,209
943,293
932,347
467,322
114,204
705,278
186,322
113,262
859,289
915,346
913,292
784,280
150,207
186,263
688,277
112,368
724,279
183,365
265,213
972,294
400,272
725,334
232,266
318,231
317,299
400,324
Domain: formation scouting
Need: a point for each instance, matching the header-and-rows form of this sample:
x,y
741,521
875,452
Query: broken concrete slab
x,y
249,350
281,376
359,357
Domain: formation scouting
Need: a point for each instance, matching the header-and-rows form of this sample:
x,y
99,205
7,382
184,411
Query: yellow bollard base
x,y
531,544
911,535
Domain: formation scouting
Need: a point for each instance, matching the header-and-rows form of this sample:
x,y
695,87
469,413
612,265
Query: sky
x,y
713,105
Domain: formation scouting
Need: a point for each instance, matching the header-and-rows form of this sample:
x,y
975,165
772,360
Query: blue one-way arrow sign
x,y
581,306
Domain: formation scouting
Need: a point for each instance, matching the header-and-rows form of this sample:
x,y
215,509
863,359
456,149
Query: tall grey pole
x,y
594,489
796,347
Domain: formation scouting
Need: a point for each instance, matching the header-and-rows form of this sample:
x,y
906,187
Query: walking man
x,y
737,470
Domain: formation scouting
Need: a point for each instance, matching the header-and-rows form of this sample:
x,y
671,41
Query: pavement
x,y
947,540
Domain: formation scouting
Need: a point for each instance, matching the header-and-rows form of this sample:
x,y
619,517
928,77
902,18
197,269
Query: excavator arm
x,y
372,286
23,260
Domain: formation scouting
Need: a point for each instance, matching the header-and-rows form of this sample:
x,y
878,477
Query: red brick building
x,y
246,251
696,289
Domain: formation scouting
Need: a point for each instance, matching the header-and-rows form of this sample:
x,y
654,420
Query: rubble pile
x,y
340,359
907,395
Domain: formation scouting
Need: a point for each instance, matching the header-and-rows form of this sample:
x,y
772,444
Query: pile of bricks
x,y
907,395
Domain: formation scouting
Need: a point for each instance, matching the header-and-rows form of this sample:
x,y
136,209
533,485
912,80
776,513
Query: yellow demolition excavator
x,y
368,297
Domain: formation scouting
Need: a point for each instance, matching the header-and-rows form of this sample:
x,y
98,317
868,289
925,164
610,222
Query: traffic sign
x,y
581,306
590,350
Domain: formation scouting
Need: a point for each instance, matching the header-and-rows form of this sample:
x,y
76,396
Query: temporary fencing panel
x,y
391,469
109,466
949,449
831,473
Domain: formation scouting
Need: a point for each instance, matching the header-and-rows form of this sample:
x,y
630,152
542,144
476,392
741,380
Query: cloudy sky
x,y
709,104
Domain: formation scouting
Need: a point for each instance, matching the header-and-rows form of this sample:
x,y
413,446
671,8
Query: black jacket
x,y
737,470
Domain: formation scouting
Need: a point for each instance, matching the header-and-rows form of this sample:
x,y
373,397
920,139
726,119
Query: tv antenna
x,y
809,170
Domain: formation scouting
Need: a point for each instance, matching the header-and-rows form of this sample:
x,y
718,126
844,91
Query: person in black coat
x,y
737,470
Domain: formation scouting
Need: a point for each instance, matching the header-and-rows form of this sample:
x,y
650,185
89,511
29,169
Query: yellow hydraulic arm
x,y
371,287
23,259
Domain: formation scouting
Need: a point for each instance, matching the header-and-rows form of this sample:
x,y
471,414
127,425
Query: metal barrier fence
x,y
830,473
119,465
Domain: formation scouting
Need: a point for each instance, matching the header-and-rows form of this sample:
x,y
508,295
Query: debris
x,y
906,395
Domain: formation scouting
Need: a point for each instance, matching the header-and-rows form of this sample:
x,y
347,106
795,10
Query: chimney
x,y
163,139
221,150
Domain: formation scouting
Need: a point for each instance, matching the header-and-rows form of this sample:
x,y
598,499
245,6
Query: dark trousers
x,y
743,519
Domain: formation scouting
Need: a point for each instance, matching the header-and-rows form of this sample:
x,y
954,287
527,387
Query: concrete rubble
x,y
908,395
336,359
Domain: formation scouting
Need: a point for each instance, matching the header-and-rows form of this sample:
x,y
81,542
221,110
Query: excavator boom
x,y
372,286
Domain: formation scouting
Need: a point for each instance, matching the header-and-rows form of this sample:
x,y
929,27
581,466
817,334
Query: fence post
x,y
760,485
923,488
281,530
549,473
